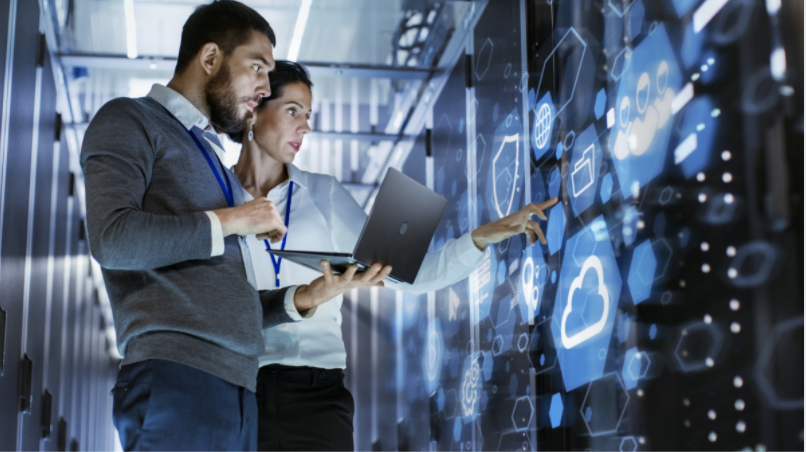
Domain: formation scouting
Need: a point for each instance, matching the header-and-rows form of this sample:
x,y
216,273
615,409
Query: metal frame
x,y
320,69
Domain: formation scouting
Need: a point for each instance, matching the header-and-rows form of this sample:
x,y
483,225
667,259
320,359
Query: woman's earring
x,y
251,133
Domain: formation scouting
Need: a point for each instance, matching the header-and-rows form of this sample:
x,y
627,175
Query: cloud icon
x,y
594,263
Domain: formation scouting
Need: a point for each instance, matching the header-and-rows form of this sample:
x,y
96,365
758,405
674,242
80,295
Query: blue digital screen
x,y
636,326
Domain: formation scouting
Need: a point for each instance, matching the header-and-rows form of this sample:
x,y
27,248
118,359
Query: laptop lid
x,y
400,226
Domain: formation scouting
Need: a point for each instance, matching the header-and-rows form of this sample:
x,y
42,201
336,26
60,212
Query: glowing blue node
x,y
556,410
544,114
629,228
487,367
653,331
636,366
640,137
623,327
502,272
556,228
636,19
441,399
553,276
579,337
584,170
684,236
599,106
457,429
607,188
642,272
559,151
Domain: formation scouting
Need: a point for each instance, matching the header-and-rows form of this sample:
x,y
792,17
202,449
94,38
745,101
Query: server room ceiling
x,y
372,53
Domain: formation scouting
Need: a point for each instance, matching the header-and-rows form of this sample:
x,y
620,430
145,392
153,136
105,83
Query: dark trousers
x,y
163,405
303,408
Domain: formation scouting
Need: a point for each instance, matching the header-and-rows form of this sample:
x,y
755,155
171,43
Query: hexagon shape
x,y
556,228
542,353
636,19
457,429
556,410
666,298
498,345
604,395
663,255
642,272
665,196
554,182
640,138
767,387
583,173
522,413
523,342
697,343
760,252
484,58
578,346
599,106
624,324
544,115
607,188
628,444
636,365
571,38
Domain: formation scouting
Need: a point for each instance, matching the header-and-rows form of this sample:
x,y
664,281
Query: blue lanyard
x,y
276,260
226,189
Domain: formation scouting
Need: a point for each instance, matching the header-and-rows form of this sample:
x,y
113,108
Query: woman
x,y
302,401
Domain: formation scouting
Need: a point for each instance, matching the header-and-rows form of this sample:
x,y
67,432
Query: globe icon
x,y
543,126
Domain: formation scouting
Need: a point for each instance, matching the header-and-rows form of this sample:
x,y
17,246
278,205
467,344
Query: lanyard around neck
x,y
276,260
227,189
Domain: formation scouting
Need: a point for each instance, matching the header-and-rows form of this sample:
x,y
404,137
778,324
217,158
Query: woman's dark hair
x,y
225,22
284,73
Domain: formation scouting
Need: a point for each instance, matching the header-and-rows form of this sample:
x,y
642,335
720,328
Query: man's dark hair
x,y
225,22
284,73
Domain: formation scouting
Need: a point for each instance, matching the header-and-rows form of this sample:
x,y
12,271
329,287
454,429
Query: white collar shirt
x,y
325,217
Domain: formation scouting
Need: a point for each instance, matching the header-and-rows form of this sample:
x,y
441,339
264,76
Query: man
x,y
166,222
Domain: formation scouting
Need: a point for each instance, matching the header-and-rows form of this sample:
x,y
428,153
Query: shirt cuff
x,y
466,249
217,234
291,308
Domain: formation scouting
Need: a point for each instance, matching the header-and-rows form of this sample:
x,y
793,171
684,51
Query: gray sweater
x,y
147,188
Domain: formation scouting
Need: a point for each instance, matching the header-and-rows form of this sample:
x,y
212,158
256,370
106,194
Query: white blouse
x,y
325,217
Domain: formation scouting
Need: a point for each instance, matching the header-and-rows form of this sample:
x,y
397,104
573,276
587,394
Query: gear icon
x,y
469,389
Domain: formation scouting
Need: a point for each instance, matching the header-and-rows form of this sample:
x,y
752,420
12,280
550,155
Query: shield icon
x,y
505,174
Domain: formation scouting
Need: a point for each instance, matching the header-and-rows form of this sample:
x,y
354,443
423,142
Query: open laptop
x,y
397,232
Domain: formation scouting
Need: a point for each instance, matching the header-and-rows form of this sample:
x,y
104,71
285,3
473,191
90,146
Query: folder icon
x,y
582,176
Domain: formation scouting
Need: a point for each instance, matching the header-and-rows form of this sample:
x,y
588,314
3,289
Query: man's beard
x,y
224,107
